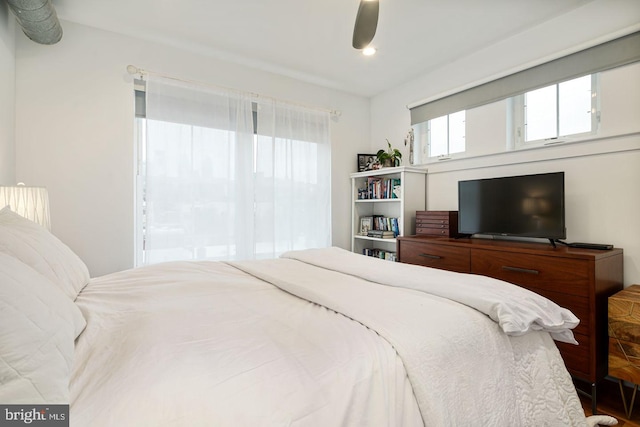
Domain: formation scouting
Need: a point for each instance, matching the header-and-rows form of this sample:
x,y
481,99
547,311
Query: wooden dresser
x,y
578,279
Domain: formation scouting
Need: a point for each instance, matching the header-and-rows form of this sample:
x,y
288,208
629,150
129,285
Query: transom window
x,y
441,137
558,111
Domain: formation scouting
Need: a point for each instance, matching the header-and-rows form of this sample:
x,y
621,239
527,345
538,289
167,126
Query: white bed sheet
x,y
204,344
207,344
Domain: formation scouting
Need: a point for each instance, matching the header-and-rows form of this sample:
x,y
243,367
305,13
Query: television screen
x,y
524,206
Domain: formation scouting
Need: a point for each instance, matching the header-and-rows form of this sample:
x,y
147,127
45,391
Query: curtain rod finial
x,y
131,69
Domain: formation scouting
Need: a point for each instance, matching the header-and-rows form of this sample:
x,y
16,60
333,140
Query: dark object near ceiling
x,y
38,20
366,23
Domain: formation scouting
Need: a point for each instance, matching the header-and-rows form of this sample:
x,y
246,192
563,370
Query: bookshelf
x,y
381,203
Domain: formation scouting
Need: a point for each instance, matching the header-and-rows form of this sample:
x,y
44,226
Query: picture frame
x,y
366,162
366,224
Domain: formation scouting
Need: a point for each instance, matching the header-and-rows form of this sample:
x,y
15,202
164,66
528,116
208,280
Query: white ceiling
x,y
311,40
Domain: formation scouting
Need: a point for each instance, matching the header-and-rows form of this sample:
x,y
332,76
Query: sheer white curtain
x,y
213,189
198,165
293,179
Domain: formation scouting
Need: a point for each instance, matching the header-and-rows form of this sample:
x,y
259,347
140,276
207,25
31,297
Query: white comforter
x,y
206,344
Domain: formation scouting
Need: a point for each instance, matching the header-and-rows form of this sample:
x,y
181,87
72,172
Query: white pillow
x,y
38,326
38,248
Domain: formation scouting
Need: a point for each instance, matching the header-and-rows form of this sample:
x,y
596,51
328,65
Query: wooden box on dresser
x,y
578,279
437,223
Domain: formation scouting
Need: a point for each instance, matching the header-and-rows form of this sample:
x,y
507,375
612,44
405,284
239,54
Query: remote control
x,y
599,246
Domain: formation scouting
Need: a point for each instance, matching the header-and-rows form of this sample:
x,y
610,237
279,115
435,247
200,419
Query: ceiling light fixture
x,y
368,51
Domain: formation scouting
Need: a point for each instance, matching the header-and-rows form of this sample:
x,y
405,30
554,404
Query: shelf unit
x,y
412,198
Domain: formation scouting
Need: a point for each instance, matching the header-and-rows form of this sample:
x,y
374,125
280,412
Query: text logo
x,y
34,415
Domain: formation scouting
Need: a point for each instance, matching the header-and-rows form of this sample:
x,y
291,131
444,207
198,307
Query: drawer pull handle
x,y
520,270
430,256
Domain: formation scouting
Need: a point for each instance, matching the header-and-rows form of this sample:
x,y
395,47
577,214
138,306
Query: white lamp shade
x,y
29,202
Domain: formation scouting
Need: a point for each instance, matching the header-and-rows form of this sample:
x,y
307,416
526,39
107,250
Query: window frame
x,y
427,130
518,118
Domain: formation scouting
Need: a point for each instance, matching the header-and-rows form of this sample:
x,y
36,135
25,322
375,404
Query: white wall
x,y
74,131
7,96
602,189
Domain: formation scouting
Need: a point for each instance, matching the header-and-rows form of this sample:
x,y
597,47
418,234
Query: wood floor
x,y
610,403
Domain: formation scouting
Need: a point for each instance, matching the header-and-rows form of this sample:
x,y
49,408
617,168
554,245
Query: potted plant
x,y
391,157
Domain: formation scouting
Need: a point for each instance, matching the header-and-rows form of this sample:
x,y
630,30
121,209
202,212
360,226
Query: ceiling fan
x,y
366,23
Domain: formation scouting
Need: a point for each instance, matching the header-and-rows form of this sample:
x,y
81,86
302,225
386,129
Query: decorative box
x,y
437,223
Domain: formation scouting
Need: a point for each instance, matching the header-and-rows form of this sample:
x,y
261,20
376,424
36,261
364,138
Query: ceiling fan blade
x,y
366,23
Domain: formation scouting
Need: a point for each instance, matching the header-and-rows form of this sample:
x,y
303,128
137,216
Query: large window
x,y
224,177
564,110
440,137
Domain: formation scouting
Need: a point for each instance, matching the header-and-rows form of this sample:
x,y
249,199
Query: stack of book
x,y
381,234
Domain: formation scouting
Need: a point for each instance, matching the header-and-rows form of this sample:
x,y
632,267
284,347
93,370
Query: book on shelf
x,y
397,190
366,224
394,226
383,234
378,226
383,223
380,253
380,188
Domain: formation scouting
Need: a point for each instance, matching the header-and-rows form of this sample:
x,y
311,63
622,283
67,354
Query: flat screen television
x,y
519,206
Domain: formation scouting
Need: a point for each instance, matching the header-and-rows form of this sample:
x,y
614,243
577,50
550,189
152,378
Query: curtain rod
x,y
133,70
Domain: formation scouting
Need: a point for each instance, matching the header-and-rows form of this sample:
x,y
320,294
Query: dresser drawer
x,y
433,255
432,221
577,357
432,231
535,272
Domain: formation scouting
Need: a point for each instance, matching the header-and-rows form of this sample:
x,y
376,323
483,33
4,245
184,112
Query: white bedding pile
x,y
517,310
38,325
208,344
463,369
39,279
36,247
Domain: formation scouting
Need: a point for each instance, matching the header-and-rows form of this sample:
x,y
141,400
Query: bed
x,y
318,337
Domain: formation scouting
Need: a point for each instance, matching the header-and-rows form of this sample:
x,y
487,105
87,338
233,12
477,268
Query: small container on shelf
x,y
437,223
